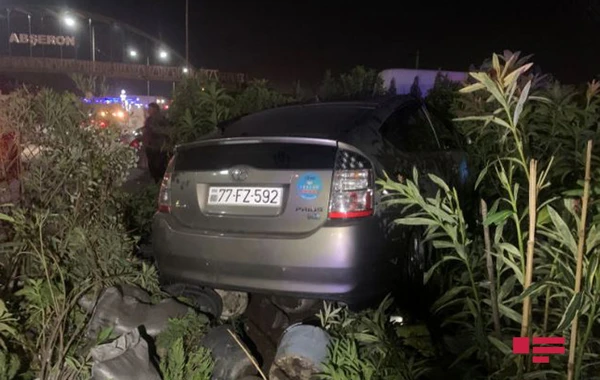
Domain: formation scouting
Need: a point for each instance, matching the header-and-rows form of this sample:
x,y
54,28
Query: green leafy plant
x,y
505,104
66,236
217,102
443,96
7,325
9,366
367,346
257,96
198,106
190,329
182,356
344,362
137,210
180,365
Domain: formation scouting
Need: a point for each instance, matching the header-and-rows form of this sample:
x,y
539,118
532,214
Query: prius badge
x,y
239,174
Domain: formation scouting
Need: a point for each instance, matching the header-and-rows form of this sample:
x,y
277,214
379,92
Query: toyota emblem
x,y
239,174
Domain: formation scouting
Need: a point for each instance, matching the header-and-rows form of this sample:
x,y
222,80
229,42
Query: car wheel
x,y
418,258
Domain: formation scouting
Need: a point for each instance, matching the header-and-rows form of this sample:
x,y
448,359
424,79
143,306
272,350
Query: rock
x,y
126,358
231,363
124,311
234,303
300,353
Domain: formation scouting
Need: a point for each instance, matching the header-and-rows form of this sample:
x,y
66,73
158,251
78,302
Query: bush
x,y
367,346
257,96
488,268
137,210
443,96
557,122
198,106
359,83
66,239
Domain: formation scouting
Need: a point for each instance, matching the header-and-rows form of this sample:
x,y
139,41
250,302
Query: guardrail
x,y
111,69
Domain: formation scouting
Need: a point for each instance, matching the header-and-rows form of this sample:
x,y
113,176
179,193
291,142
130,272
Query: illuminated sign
x,y
41,39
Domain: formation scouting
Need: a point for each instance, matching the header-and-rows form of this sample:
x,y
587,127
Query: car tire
x,y
418,258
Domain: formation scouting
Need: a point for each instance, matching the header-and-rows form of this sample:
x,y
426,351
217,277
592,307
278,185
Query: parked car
x,y
285,201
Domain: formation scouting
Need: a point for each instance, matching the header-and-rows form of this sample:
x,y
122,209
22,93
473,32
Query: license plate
x,y
245,196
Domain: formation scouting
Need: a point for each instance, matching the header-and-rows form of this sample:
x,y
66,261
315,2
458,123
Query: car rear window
x,y
324,121
269,156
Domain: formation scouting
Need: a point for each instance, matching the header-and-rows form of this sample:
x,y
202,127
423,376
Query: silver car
x,y
285,202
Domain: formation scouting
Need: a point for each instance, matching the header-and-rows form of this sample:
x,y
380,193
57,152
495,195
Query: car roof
x,y
321,119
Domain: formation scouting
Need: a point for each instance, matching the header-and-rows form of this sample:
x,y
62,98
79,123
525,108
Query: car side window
x,y
446,136
408,130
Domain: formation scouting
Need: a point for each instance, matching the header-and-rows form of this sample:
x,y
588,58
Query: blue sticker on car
x,y
309,186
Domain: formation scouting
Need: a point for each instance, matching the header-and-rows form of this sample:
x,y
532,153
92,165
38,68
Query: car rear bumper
x,y
343,263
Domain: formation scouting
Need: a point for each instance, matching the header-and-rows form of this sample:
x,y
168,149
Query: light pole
x,y
30,45
8,27
187,34
92,39
148,72
43,30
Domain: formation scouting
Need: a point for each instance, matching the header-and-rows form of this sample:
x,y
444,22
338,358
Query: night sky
x,y
288,40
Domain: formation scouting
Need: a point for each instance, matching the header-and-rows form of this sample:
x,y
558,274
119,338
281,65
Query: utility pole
x,y
92,32
187,34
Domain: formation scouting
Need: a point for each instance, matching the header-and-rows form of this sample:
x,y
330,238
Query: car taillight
x,y
164,195
352,187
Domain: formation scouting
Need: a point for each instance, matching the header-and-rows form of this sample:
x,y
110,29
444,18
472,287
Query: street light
x,y
185,70
133,53
163,54
69,21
